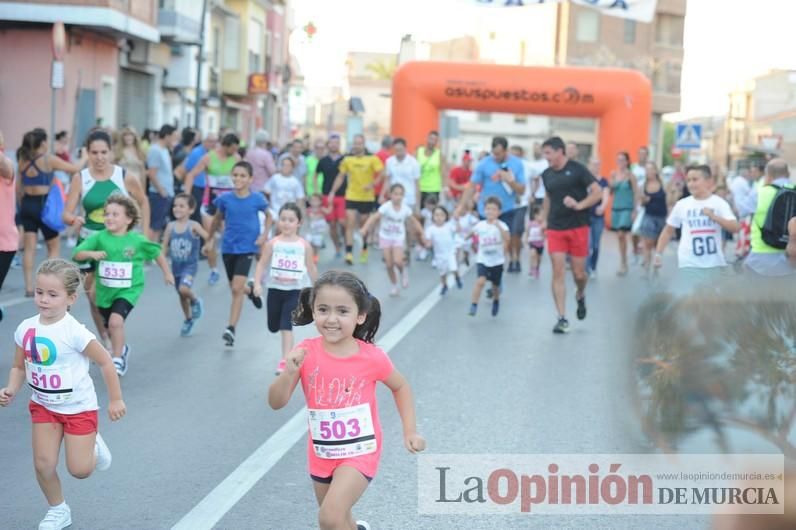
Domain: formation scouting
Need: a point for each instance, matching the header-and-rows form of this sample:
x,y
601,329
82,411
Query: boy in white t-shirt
x,y
493,243
702,216
283,188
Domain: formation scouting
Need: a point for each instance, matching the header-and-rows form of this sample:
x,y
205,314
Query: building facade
x,y
108,75
135,63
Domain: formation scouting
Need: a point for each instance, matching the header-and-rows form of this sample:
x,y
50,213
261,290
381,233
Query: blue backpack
x,y
53,211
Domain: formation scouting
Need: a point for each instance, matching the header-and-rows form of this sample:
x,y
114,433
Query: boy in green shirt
x,y
120,256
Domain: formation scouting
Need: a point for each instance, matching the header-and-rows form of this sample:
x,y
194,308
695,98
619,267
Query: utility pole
x,y
199,61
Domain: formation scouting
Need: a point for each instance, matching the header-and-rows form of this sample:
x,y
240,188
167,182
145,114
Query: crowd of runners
x,y
171,199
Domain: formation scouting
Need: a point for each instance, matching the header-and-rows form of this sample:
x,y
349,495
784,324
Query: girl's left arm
x,y
100,356
404,402
309,260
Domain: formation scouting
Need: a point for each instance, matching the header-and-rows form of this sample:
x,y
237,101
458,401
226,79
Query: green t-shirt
x,y
121,273
312,165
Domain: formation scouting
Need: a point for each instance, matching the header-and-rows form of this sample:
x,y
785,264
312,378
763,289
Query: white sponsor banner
x,y
641,10
559,484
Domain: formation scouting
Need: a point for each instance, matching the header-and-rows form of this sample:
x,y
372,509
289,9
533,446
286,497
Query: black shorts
x,y
328,480
237,264
280,305
363,207
538,250
120,306
214,194
30,216
492,274
198,196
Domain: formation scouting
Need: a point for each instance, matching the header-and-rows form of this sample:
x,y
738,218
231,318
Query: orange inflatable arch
x,y
620,99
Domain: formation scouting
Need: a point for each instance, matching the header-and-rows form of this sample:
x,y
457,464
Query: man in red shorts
x,y
329,167
570,191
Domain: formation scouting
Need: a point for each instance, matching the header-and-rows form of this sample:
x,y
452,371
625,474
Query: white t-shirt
x,y
405,172
393,222
318,228
55,366
536,167
443,238
700,242
528,169
740,189
288,264
464,228
640,172
283,189
490,243
535,233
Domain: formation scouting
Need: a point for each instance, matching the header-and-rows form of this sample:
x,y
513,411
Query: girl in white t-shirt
x,y
283,188
441,235
53,353
702,216
393,215
535,233
289,258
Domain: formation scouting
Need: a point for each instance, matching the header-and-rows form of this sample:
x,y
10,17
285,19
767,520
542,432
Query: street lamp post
x,y
199,61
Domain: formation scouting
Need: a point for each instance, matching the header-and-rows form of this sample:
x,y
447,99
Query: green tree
x,y
668,142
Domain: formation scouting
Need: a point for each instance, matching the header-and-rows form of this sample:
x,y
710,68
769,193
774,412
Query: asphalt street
x,y
197,409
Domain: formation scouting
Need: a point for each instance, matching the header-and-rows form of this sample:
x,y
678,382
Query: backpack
x,y
781,210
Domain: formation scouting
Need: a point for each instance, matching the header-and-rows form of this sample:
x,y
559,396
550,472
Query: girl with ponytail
x,y
338,373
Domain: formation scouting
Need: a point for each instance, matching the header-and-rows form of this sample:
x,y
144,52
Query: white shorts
x,y
445,264
316,240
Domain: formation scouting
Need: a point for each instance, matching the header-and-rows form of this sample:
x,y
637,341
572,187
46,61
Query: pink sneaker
x,y
281,367
405,279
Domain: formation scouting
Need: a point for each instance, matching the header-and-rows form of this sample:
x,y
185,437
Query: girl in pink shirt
x,y
338,373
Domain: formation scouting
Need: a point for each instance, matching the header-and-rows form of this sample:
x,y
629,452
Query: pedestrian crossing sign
x,y
689,136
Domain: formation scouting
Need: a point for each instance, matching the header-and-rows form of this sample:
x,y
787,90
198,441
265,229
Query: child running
x,y
120,255
441,235
493,240
289,258
181,242
393,215
702,216
338,373
535,230
283,188
239,211
318,225
464,231
53,353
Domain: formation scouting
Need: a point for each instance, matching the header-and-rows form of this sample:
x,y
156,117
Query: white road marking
x,y
218,502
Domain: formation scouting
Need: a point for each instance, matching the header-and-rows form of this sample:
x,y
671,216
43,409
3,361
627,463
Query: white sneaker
x,y
57,518
394,291
363,525
102,454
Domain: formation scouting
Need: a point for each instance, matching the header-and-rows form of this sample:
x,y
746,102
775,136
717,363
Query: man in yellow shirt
x,y
363,172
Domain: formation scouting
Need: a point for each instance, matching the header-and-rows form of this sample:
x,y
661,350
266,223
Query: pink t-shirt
x,y
263,166
334,383
9,237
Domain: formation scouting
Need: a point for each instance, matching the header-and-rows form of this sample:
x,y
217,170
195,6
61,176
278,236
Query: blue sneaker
x,y
16,262
495,307
473,309
187,328
2,313
459,283
214,277
197,309
443,290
